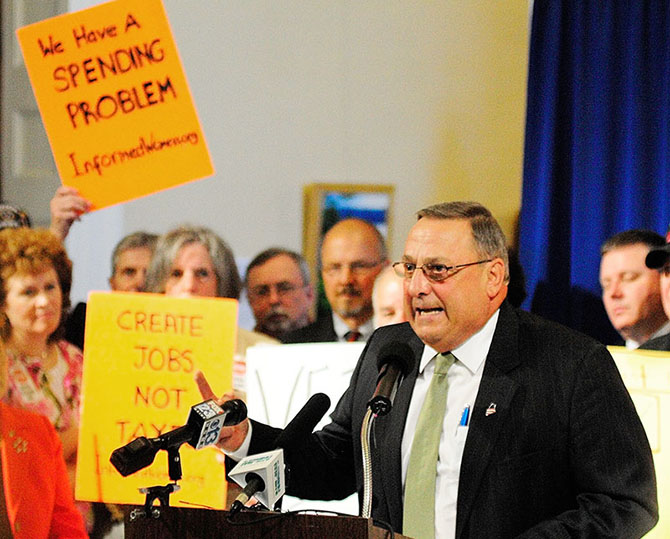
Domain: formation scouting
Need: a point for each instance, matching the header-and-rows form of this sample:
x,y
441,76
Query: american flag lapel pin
x,y
491,409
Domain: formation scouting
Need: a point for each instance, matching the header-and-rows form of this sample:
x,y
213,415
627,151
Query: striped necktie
x,y
419,504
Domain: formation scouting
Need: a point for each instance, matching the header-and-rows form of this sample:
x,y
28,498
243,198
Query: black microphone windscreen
x,y
133,456
236,412
304,422
396,352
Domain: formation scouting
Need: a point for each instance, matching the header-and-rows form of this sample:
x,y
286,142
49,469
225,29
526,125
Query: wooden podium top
x,y
179,522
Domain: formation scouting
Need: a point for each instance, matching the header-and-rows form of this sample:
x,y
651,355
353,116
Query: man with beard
x,y
352,254
279,291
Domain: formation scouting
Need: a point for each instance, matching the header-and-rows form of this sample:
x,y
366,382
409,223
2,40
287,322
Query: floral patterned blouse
x,y
54,393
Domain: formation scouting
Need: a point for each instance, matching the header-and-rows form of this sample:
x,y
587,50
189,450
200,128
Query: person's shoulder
x,y
28,422
395,337
254,337
70,352
544,333
661,343
321,330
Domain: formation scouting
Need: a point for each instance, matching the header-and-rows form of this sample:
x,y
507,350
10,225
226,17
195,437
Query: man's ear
x,y
495,277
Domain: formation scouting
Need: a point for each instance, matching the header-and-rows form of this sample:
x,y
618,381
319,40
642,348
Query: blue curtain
x,y
597,147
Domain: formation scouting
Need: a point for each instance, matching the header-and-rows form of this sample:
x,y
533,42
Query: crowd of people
x,y
552,444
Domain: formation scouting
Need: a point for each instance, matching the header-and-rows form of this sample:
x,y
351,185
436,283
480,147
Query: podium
x,y
186,523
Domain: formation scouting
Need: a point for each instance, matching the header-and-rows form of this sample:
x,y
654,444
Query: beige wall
x,y
427,96
480,142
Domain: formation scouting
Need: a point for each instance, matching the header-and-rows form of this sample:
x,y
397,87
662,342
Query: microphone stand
x,y
160,492
366,436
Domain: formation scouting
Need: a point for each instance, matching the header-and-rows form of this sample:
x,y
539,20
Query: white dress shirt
x,y
464,378
341,329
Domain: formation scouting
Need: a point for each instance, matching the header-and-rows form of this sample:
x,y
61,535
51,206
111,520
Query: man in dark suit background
x,y
352,254
551,445
630,290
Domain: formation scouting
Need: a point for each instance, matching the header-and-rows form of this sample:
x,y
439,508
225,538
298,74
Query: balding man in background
x,y
387,298
130,260
352,254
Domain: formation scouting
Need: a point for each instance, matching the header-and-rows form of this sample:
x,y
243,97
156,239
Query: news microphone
x,y
203,427
262,476
265,465
395,360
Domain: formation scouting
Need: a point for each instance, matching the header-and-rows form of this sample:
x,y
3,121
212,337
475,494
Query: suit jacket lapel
x,y
495,392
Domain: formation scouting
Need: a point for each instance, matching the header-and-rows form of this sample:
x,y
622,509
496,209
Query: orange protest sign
x,y
115,101
140,357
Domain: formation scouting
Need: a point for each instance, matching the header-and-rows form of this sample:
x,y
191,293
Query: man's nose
x,y
275,297
615,289
418,283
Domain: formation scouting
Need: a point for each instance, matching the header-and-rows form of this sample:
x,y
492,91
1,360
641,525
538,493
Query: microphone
x,y
203,427
304,421
394,361
255,472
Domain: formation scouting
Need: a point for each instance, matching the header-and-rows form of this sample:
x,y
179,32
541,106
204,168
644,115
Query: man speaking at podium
x,y
507,425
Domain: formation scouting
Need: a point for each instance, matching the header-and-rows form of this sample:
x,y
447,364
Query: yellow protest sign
x,y
115,101
646,374
140,357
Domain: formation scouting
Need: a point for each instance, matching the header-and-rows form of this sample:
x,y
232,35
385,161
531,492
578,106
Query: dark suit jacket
x,y
659,343
75,326
321,330
565,455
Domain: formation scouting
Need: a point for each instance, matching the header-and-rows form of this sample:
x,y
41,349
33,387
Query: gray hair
x,y
136,240
228,282
273,252
489,238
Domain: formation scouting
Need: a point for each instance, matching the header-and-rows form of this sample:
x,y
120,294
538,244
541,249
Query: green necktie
x,y
419,506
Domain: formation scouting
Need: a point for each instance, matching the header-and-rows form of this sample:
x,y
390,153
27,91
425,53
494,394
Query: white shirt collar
x,y
663,330
341,328
473,351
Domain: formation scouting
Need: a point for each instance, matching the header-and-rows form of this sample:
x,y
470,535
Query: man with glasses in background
x,y
279,291
352,254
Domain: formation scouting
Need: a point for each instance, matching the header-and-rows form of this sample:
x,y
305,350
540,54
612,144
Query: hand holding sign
x,y
67,206
231,438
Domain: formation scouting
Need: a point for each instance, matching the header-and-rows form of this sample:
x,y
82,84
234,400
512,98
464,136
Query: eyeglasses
x,y
433,272
283,288
357,268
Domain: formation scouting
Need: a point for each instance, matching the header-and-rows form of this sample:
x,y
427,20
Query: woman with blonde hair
x,y
44,371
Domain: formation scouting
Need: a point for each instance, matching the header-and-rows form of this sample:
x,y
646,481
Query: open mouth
x,y
427,311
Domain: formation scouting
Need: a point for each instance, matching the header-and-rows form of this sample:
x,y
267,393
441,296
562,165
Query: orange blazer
x,y
37,490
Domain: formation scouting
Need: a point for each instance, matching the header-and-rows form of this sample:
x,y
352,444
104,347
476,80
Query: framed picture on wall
x,y
324,204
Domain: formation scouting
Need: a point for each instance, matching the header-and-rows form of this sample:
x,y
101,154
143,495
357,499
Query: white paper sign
x,y
281,379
